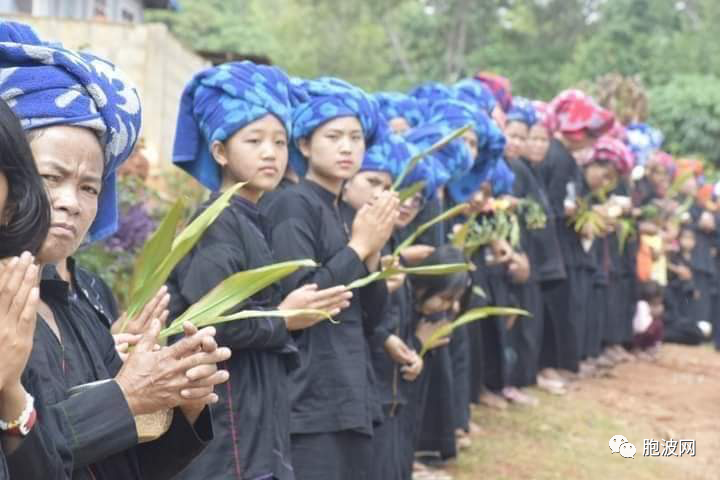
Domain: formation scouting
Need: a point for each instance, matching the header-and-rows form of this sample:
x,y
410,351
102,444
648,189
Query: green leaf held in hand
x,y
468,317
147,285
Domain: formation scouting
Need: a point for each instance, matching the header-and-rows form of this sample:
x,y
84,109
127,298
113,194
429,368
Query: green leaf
x,y
410,191
182,245
436,146
237,288
443,269
156,245
208,321
468,317
477,290
460,238
453,212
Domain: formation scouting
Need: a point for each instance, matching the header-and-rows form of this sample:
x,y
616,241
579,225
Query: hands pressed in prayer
x,y
332,300
374,224
204,378
184,373
157,307
19,300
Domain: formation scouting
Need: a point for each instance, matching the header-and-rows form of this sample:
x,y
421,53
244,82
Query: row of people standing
x,y
302,397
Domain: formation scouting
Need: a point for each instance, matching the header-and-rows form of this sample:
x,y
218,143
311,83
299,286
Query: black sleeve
x,y
374,299
40,456
80,423
167,456
210,265
561,172
294,238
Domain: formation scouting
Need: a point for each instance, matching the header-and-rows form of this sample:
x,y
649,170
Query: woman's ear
x,y
219,153
304,145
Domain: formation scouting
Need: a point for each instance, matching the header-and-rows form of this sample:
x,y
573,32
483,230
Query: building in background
x,y
108,10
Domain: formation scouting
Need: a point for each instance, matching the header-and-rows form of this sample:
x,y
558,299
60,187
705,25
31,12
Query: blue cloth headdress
x,y
489,155
218,102
477,93
523,111
47,85
446,163
387,154
395,104
643,141
328,98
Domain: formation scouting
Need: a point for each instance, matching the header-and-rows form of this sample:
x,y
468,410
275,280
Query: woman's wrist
x,y
12,401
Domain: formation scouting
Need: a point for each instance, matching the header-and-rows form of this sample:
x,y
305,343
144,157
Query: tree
x,y
687,110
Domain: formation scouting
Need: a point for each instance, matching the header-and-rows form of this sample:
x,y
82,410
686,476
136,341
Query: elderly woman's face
x,y
70,162
538,144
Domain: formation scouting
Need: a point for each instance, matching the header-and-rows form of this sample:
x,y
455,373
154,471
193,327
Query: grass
x,y
560,439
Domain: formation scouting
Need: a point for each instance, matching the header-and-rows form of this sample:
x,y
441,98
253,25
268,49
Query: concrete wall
x,y
113,10
155,60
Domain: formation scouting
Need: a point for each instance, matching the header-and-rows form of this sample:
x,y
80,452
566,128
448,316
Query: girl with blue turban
x,y
82,117
393,345
332,392
234,123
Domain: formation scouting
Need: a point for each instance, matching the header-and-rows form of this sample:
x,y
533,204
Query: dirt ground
x,y
676,397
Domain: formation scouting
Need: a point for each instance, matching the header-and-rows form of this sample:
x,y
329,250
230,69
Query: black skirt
x,y
343,455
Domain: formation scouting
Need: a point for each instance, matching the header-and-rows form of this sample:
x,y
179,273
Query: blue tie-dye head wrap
x,y
429,93
448,162
489,154
329,98
18,33
476,93
387,154
501,178
217,103
523,111
643,141
395,104
392,153
47,85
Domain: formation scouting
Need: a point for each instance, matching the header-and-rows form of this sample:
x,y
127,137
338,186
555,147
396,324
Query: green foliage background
x,y
542,45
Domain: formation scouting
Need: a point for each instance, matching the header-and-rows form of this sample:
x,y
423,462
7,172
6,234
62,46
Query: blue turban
x,y
523,111
448,162
387,154
395,104
489,155
218,102
643,141
18,33
46,85
476,93
329,98
429,93
501,178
